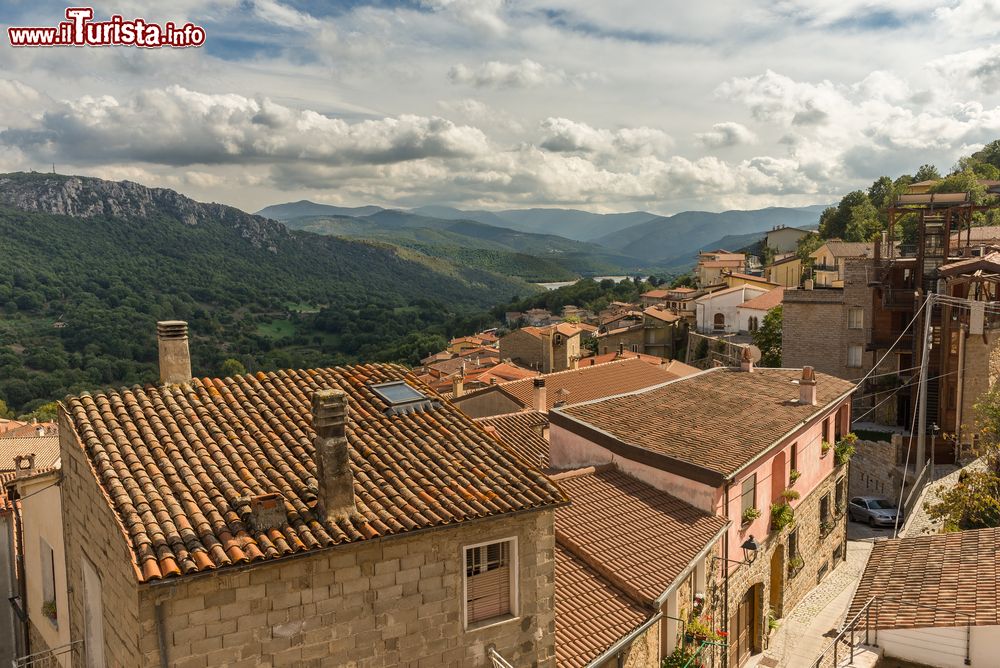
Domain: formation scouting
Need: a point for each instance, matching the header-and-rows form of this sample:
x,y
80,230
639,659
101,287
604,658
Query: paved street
x,y
803,633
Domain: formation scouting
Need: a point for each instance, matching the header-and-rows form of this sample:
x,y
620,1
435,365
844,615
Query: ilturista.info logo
x,y
79,29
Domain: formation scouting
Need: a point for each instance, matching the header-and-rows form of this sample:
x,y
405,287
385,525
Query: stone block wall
x,y
91,530
389,602
609,343
875,470
522,348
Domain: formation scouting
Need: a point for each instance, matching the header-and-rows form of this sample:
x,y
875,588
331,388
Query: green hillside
x,y
81,289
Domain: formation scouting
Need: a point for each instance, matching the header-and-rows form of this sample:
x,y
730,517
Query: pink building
x,y
751,445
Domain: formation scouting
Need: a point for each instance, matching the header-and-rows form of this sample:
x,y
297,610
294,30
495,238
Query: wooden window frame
x,y
743,492
514,612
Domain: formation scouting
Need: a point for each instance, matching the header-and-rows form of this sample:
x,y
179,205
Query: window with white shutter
x,y
489,581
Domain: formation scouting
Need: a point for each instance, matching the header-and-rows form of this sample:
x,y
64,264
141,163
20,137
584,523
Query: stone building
x,y
341,516
661,332
749,445
713,264
547,349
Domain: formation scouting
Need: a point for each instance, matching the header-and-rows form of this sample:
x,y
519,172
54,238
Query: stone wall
x,y
816,549
875,469
608,343
91,530
522,348
396,601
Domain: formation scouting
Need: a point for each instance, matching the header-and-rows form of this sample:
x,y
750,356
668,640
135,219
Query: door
x,y
93,616
777,585
741,631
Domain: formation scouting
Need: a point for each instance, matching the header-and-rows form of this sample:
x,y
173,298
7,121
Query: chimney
x,y
457,387
621,350
175,358
746,360
333,461
24,465
807,386
538,400
40,430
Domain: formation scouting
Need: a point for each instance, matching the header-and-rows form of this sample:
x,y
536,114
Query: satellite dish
x,y
754,354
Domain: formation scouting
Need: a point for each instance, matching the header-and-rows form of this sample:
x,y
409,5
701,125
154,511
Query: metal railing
x,y
69,655
846,642
496,659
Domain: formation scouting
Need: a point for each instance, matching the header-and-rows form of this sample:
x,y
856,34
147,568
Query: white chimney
x,y
40,430
175,358
746,360
538,400
807,386
333,460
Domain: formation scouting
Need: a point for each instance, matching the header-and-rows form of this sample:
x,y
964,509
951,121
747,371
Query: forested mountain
x,y
569,223
90,265
499,248
666,240
283,212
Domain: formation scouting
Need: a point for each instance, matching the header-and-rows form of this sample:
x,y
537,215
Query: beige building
x,y
547,349
713,264
298,517
829,260
661,333
785,239
785,271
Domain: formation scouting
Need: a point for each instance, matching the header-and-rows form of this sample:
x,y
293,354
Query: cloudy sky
x,y
659,105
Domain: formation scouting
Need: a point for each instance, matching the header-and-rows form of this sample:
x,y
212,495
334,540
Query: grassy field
x,y
277,329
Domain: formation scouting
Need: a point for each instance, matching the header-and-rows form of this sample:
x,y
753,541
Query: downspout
x,y
725,576
161,633
22,608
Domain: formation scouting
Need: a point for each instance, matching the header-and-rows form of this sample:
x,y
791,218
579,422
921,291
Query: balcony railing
x,y
70,655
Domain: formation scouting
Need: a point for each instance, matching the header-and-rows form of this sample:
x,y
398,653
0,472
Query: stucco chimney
x,y
807,386
40,430
538,400
457,386
746,361
175,358
333,461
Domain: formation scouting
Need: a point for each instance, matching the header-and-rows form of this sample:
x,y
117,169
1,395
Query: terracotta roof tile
x,y
717,420
766,301
644,537
591,614
522,433
45,449
590,382
957,582
179,464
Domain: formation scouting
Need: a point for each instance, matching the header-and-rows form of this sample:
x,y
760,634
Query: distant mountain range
x,y
579,241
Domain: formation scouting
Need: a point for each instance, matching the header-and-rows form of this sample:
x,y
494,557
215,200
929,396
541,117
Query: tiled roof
x,y
726,291
643,537
661,314
179,464
45,449
949,579
656,294
503,371
721,264
977,234
591,614
766,301
848,249
522,434
717,420
587,383
749,277
5,477
626,354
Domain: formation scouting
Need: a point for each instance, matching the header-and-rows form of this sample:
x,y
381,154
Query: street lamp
x,y
750,547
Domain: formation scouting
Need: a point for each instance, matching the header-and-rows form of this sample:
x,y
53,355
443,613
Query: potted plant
x,y
49,610
750,514
782,516
790,495
824,448
682,657
845,449
701,629
795,564
825,527
793,476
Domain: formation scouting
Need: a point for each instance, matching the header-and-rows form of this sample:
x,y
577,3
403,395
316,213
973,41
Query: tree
x,y
881,192
683,281
232,367
863,224
833,221
807,245
974,503
927,173
768,338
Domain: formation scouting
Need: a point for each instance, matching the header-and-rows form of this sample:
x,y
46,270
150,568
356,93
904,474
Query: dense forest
x,y
80,294
587,293
860,215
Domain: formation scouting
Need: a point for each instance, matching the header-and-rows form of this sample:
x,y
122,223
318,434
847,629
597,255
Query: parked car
x,y
875,510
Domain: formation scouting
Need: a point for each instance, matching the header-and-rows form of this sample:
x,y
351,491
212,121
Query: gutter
x,y
623,642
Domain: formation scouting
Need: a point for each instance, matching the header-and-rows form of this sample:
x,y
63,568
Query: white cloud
x,y
563,135
482,15
522,74
727,134
278,14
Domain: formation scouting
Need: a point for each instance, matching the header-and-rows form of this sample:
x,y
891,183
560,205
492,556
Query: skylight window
x,y
402,398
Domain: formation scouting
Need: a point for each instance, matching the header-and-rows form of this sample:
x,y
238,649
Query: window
x,y
826,430
48,563
855,318
793,461
719,321
840,494
824,508
793,544
635,348
490,585
854,356
749,497
401,397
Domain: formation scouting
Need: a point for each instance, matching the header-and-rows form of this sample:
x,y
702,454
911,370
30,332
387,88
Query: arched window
x,y
753,323
719,321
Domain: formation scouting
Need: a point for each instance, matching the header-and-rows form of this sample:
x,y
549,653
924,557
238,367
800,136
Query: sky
x,y
602,105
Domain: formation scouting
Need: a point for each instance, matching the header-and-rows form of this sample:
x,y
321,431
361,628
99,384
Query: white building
x,y
752,312
934,598
718,312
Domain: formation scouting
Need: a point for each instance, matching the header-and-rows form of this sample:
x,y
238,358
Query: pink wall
x,y
810,462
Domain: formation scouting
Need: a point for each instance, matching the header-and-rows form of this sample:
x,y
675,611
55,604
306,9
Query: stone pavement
x,y
945,477
801,635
